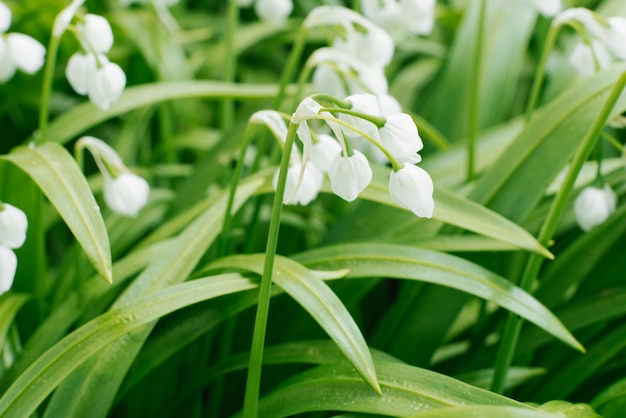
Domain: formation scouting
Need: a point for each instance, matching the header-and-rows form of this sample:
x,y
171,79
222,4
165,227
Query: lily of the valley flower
x,y
349,176
400,137
412,188
13,226
97,32
402,17
324,151
17,51
587,59
97,77
126,194
303,184
594,205
274,12
547,8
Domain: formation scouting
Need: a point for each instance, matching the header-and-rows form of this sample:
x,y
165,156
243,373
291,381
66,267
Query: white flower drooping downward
x,y
17,51
412,188
13,226
594,205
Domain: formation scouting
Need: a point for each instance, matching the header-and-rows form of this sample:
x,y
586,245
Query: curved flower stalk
x,y
594,205
125,193
17,50
13,226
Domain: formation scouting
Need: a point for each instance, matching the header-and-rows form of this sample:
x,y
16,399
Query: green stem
x,y
290,68
514,324
474,115
230,64
46,88
540,73
253,382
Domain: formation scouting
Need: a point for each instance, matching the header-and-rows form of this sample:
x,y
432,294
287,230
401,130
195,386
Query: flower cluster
x,y
13,225
274,12
402,17
17,51
602,39
349,171
125,193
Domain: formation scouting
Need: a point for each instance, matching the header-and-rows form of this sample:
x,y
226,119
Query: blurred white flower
x,y
106,84
13,226
8,265
17,51
324,151
547,8
584,57
63,19
274,12
594,205
615,36
97,32
307,109
126,194
402,17
349,175
303,184
79,71
5,17
412,188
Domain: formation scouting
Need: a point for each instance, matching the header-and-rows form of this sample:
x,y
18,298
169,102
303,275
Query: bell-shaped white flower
x,y
106,84
584,58
418,16
79,71
548,8
324,151
97,33
615,37
5,17
349,175
126,194
412,188
594,205
274,12
13,226
307,109
366,104
8,265
302,187
400,137
19,51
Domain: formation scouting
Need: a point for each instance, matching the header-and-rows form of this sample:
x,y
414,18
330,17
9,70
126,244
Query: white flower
x,y
301,186
615,37
349,175
97,32
307,109
362,103
79,71
106,84
399,136
19,51
324,151
13,226
274,12
402,17
593,206
584,57
8,265
5,18
63,19
548,8
418,15
412,188
126,194
274,122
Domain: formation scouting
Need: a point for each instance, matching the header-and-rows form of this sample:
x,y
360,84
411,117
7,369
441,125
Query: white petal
x,y
27,53
349,175
400,137
593,206
324,151
412,188
307,109
548,8
362,103
418,15
8,265
387,14
326,80
98,33
7,66
106,85
300,190
274,122
63,19
616,37
80,70
13,226
126,194
274,12
5,17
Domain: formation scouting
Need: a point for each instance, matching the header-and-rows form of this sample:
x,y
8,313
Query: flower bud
x,y
13,226
412,188
8,265
349,175
126,194
97,32
593,206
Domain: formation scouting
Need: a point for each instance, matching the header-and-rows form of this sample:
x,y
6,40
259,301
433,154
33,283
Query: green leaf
x,y
611,403
43,376
386,260
10,304
405,389
483,412
58,176
319,300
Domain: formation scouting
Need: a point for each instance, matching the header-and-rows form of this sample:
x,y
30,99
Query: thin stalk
x,y
46,88
290,68
514,324
253,382
541,70
230,64
474,115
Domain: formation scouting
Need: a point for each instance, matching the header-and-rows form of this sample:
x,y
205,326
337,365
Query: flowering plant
x,y
272,208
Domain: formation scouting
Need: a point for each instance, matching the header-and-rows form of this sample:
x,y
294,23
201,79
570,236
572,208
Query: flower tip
x,y
126,194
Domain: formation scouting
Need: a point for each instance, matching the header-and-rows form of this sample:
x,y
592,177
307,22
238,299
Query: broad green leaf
x,y
386,260
483,412
10,304
43,376
611,403
98,379
464,213
406,390
79,119
514,377
58,176
319,300
519,178
569,410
